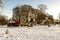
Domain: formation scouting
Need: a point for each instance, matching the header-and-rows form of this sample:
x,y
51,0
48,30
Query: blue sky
x,y
53,6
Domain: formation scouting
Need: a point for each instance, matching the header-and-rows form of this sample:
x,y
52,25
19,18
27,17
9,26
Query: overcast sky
x,y
53,6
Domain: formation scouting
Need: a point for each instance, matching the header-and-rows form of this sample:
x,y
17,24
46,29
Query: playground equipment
x,y
46,19
13,23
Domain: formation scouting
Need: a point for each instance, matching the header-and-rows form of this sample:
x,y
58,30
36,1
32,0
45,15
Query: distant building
x,y
24,13
59,15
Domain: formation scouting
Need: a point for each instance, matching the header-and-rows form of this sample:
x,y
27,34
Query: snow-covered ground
x,y
30,33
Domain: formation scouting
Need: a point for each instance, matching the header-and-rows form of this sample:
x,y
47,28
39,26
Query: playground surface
x,y
30,33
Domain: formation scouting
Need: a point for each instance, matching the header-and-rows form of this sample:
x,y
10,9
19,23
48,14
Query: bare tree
x,y
42,7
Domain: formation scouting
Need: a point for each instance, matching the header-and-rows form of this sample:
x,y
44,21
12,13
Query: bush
x,y
3,20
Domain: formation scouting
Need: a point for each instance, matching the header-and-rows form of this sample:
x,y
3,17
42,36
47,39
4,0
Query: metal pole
x,y
1,3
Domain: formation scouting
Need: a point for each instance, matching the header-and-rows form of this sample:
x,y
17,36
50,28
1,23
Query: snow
x,y
30,33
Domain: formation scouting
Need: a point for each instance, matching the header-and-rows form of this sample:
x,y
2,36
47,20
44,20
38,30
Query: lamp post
x,y
1,6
